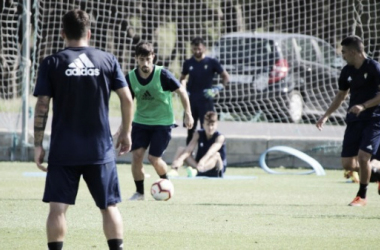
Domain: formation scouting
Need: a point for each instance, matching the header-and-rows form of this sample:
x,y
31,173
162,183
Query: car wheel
x,y
295,106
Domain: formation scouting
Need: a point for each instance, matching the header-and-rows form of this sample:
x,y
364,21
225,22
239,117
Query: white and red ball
x,y
162,190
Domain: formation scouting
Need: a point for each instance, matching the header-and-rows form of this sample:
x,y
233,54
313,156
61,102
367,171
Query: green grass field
x,y
269,212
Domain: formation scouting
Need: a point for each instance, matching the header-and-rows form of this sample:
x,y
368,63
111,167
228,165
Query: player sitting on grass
x,y
353,174
210,159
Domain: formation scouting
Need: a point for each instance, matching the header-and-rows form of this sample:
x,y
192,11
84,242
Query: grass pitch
x,y
269,212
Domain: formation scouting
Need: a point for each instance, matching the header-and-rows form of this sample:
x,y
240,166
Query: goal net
x,y
283,56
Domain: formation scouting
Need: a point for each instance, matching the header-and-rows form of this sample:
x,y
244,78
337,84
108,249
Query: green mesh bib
x,y
153,104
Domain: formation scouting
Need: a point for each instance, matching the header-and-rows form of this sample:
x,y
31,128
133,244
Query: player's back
x,y
80,80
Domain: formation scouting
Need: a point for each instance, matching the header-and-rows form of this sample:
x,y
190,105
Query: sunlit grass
x,y
266,212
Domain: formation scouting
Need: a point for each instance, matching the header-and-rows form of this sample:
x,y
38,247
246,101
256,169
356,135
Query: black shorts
x,y
157,138
364,135
62,183
212,173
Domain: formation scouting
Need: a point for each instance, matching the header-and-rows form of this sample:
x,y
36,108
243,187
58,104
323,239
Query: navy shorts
x,y
62,183
157,138
212,173
364,135
199,105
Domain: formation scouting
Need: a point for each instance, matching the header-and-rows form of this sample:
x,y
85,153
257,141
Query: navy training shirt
x,y
204,145
364,84
201,73
79,81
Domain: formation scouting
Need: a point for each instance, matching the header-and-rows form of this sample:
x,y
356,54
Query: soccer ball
x,y
162,190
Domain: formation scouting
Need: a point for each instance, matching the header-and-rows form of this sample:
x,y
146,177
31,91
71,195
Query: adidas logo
x,y
369,147
82,66
349,79
147,96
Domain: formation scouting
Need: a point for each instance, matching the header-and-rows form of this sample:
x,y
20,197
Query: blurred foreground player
x,y
79,79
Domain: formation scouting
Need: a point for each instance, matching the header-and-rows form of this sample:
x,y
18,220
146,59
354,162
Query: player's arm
x,y
41,112
340,96
187,152
357,109
126,106
215,147
189,121
183,80
225,78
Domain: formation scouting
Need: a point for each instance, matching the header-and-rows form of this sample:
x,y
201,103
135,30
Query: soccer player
x,y
79,79
201,70
361,78
210,159
152,87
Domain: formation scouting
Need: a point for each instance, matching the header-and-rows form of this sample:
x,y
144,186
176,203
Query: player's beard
x,y
146,69
198,56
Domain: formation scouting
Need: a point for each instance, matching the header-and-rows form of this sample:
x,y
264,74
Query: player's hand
x,y
124,142
188,121
212,92
39,154
356,109
320,122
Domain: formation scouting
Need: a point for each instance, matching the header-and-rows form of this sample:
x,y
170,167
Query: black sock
x,y
58,245
163,176
362,191
139,186
375,175
115,244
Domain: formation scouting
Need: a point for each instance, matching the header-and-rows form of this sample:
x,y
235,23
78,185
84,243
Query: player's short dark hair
x,y
197,41
211,117
353,42
144,49
76,24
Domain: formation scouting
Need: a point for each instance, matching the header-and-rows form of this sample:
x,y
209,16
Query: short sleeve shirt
x,y
364,84
201,73
79,81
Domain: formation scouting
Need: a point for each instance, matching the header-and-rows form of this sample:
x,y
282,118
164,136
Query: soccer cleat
x,y
137,197
191,172
172,173
352,175
358,202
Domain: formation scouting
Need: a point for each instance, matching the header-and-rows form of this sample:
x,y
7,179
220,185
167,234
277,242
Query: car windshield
x,y
245,51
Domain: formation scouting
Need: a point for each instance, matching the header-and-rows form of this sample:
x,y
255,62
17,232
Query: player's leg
x,y
61,188
159,142
174,169
206,106
364,159
113,227
212,162
350,148
103,183
56,225
375,169
141,137
138,173
368,146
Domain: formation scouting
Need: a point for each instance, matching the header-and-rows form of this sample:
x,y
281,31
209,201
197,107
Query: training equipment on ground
x,y
162,190
314,164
